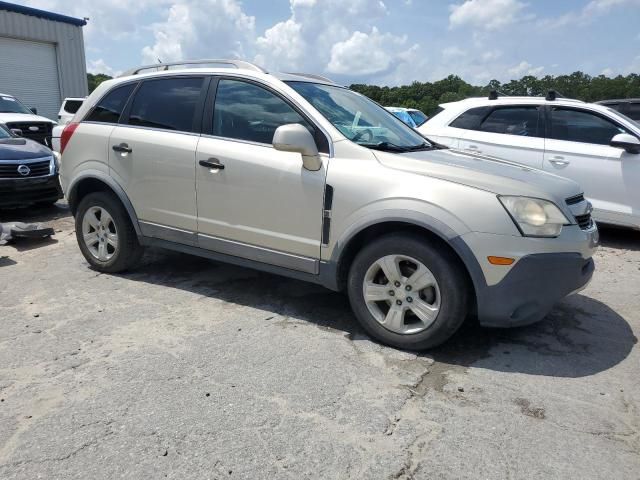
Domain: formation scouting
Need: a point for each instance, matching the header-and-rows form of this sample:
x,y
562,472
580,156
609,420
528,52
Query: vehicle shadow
x,y
580,337
621,238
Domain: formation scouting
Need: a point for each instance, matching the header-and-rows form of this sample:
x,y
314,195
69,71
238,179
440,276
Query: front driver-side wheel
x,y
105,234
408,292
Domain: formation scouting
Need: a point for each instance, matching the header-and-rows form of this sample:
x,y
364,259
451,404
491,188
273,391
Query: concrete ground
x,y
191,369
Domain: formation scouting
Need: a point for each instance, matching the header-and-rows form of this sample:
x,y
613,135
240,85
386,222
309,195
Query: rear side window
x,y
72,106
110,107
169,103
470,120
248,112
584,127
522,121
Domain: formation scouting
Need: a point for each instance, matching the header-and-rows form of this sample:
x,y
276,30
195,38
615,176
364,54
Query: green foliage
x,y
427,96
95,80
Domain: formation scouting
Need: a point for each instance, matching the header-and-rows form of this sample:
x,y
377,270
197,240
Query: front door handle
x,y
559,161
212,163
474,149
122,148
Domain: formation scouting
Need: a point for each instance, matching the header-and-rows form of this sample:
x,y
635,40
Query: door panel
x,y
609,176
262,197
525,150
158,175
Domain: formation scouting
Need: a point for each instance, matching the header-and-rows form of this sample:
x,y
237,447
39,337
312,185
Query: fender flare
x,y
113,186
426,221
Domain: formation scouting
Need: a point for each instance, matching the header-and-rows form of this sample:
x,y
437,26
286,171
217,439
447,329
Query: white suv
x,y
295,175
593,144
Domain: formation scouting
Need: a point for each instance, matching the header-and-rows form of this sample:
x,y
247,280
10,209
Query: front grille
x,y
585,222
42,135
36,169
575,200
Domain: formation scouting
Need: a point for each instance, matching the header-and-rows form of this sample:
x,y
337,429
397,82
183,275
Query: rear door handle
x,y
474,148
122,148
212,163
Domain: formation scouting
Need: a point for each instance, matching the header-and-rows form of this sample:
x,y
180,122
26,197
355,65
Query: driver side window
x,y
245,111
580,126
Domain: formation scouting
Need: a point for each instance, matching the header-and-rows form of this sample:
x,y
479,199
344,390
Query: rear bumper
x,y
22,192
529,291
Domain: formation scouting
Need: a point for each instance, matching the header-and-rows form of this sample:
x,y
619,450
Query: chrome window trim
x,y
249,142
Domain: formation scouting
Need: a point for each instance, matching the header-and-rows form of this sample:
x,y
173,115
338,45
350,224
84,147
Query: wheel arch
x,y
348,247
96,181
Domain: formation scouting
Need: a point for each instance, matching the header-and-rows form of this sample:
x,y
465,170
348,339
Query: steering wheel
x,y
365,131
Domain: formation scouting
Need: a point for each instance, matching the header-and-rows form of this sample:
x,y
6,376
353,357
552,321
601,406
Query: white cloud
x,y
588,14
524,68
452,52
486,14
100,66
188,33
382,51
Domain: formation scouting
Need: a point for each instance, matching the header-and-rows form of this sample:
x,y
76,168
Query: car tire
x,y
423,303
105,234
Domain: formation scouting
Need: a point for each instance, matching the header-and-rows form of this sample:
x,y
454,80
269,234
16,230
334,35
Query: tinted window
x,y
521,121
110,107
169,103
634,111
470,120
72,106
248,112
584,127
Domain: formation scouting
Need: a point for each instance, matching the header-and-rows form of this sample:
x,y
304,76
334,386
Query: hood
x,y
487,173
23,117
22,149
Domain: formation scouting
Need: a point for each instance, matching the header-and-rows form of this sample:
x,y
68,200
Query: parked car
x,y
68,109
295,175
28,172
630,107
592,144
24,121
412,117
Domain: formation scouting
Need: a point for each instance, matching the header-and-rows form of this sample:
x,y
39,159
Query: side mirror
x,y
627,142
34,110
296,138
16,131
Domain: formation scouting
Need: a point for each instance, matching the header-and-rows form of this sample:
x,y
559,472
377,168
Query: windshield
x,y
11,105
418,117
4,133
359,119
628,119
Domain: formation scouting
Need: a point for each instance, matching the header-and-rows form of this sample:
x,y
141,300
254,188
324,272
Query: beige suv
x,y
295,175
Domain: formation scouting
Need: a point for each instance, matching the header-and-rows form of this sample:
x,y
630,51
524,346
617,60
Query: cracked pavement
x,y
188,368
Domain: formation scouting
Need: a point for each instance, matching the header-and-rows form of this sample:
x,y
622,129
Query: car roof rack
x,y
312,76
553,95
494,94
162,66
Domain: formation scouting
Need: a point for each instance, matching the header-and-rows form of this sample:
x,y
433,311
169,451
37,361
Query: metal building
x,y
42,57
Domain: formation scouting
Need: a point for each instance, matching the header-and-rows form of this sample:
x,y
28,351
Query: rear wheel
x,y
105,234
408,292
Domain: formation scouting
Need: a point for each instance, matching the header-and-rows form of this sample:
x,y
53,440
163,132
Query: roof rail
x,y
313,76
165,66
553,94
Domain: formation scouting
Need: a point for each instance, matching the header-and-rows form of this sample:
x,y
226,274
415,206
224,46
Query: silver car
x,y
298,176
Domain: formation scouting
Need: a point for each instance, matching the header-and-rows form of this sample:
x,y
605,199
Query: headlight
x,y
535,217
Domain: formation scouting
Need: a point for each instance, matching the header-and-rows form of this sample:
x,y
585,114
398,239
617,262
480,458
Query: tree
x,y
428,95
95,80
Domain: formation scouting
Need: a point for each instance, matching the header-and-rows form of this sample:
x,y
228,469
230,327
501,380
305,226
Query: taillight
x,y
66,135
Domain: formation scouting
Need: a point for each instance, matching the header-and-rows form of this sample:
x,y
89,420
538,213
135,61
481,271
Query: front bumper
x,y
21,192
531,288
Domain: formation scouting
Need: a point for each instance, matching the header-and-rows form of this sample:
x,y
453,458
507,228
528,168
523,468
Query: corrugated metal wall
x,y
68,40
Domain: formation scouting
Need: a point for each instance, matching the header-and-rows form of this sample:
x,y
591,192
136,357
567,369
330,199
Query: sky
x,y
383,42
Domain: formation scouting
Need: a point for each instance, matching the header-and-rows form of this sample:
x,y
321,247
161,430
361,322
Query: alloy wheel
x,y
99,233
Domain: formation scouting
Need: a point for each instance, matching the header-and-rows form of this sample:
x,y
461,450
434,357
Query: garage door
x,y
29,71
